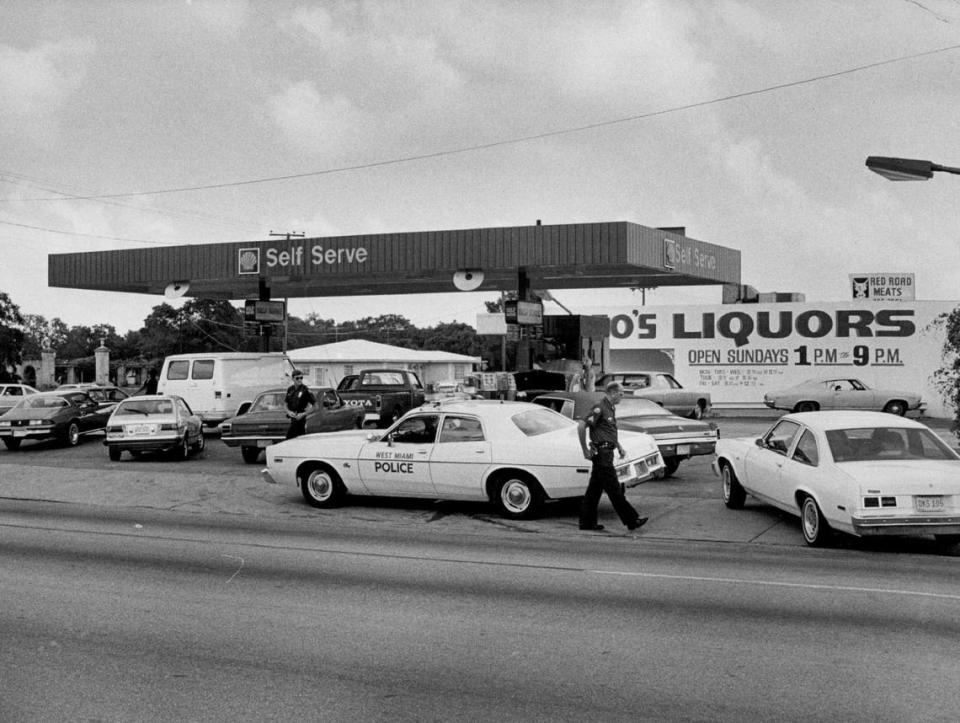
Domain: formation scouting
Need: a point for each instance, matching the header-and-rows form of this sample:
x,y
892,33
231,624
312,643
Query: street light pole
x,y
906,169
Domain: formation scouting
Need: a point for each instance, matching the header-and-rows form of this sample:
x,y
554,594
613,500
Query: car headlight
x,y
225,427
37,422
4,425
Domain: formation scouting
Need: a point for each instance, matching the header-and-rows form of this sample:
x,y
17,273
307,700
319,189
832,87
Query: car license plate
x,y
264,442
683,449
134,429
928,503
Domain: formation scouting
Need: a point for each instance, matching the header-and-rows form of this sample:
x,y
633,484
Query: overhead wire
x,y
519,139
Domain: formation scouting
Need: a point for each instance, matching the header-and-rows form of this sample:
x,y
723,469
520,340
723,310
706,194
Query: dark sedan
x,y
678,438
266,422
59,415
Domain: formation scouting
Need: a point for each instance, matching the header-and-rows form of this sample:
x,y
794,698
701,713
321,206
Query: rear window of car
x,y
142,407
534,422
42,403
886,443
270,402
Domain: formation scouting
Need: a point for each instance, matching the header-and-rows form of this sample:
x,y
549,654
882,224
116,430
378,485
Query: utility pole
x,y
288,234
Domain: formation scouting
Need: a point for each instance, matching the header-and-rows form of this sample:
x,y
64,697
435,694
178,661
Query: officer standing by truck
x,y
300,402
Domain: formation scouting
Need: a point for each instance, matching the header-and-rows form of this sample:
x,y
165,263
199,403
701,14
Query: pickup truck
x,y
385,395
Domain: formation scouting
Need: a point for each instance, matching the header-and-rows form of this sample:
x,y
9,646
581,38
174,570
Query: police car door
x,y
460,458
399,462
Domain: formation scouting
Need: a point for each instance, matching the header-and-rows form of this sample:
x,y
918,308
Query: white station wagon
x,y
516,455
864,473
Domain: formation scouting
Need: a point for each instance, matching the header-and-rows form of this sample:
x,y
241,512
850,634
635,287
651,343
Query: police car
x,y
515,455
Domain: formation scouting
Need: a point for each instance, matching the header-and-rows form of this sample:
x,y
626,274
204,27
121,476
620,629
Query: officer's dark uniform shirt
x,y
298,399
602,422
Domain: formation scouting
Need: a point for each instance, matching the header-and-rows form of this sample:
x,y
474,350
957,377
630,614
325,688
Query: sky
x,y
747,123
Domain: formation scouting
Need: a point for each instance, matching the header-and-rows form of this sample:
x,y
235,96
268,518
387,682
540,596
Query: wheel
x,y
250,454
518,497
72,437
200,443
815,528
671,465
12,443
322,488
895,406
807,407
733,493
115,453
182,451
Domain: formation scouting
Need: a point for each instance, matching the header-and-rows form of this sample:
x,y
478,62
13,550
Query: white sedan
x,y
154,423
864,473
514,454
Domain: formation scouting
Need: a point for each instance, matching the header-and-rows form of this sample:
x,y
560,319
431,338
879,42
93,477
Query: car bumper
x,y
919,525
253,441
683,450
36,433
153,444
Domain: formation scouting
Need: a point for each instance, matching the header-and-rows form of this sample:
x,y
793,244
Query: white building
x,y
327,364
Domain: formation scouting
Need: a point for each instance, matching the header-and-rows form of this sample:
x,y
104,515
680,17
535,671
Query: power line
x,y
517,140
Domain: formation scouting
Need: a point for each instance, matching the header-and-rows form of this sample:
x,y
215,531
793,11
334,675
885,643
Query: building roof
x,y
360,350
565,256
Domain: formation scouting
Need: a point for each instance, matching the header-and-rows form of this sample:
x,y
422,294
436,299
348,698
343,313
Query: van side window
x,y
178,370
203,369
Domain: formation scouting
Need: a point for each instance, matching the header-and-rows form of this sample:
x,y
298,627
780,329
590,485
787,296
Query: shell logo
x,y
249,261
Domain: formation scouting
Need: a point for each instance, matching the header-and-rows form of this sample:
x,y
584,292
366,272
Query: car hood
x,y
906,477
322,444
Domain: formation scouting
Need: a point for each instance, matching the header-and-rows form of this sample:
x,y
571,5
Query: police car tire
x,y
733,493
518,496
322,487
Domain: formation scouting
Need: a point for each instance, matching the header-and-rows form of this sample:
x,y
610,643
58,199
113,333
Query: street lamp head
x,y
901,169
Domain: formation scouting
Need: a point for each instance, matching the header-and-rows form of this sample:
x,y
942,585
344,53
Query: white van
x,y
216,384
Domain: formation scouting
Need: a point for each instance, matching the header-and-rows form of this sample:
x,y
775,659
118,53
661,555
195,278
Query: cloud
x,y
317,123
36,84
226,16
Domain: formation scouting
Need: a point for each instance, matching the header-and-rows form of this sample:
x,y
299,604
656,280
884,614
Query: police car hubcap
x,y
516,496
320,486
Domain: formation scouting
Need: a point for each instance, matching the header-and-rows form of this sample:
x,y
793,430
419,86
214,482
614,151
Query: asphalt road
x,y
136,614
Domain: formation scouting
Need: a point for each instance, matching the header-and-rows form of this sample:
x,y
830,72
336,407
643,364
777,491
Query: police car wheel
x,y
518,496
321,487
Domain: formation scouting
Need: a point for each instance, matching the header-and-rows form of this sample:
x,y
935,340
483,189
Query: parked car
x,y
154,423
60,415
385,395
103,393
663,389
842,393
266,421
863,473
10,394
678,438
515,455
447,390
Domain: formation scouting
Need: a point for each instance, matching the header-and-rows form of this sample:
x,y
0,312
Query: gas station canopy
x,y
571,256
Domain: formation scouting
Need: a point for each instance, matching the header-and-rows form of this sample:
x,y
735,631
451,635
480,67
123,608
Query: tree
x,y
11,336
947,378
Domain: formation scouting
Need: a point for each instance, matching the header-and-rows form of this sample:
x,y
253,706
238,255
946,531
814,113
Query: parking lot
x,y
686,506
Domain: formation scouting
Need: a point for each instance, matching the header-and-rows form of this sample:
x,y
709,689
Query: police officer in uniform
x,y
300,402
602,422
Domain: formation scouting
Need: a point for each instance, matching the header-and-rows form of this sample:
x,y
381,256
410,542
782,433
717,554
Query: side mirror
x,y
759,443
